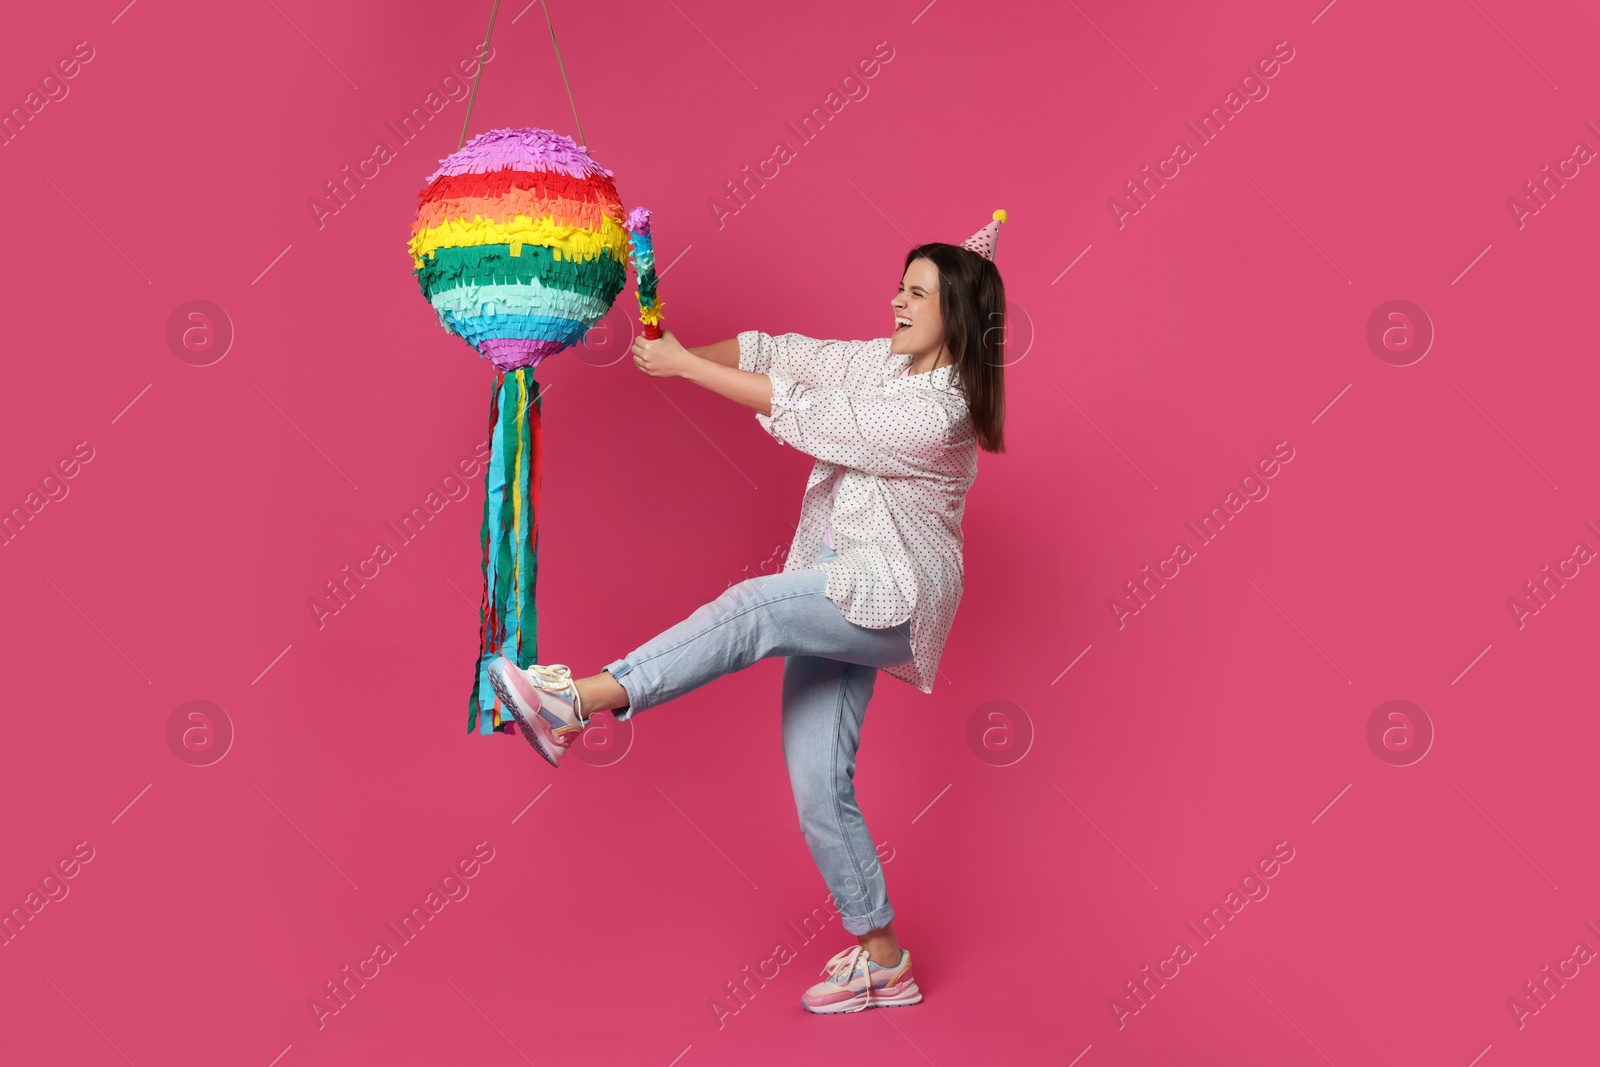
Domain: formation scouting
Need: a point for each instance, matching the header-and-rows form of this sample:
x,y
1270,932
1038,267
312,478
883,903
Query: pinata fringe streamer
x,y
508,621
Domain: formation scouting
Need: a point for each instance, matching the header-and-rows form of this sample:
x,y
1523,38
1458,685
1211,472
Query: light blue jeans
x,y
830,667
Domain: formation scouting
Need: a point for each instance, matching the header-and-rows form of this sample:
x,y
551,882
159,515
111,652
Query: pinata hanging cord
x,y
560,65
478,75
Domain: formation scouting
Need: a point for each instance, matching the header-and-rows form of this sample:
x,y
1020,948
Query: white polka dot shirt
x,y
909,454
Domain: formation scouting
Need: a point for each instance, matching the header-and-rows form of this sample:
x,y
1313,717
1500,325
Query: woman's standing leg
x,y
824,704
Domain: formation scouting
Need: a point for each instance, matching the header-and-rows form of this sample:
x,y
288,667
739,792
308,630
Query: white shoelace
x,y
844,964
556,677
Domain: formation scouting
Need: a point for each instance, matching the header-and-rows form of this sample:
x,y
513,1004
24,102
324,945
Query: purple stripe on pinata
x,y
509,353
527,149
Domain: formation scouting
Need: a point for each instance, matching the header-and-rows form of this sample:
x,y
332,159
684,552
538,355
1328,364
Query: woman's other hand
x,y
663,357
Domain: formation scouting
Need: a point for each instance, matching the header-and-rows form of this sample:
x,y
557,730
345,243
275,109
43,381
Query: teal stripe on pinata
x,y
601,277
529,298
474,328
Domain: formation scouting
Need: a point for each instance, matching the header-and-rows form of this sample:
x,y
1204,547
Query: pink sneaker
x,y
854,982
543,699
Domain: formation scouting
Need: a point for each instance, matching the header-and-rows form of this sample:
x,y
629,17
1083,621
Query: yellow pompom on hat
x,y
983,241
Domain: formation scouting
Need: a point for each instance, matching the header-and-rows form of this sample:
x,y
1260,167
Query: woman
x,y
872,578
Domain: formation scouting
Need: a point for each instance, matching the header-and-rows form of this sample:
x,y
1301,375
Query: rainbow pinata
x,y
519,244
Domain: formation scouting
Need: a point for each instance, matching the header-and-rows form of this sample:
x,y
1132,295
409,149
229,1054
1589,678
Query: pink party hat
x,y
983,241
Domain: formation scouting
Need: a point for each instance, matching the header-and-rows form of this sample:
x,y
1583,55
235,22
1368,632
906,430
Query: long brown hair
x,y
972,303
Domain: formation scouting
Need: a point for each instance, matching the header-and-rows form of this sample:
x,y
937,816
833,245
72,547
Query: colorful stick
x,y
644,269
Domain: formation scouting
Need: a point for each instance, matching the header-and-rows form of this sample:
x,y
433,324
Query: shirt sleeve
x,y
797,357
903,435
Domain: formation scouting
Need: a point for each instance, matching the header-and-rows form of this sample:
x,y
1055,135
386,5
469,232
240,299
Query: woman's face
x,y
918,326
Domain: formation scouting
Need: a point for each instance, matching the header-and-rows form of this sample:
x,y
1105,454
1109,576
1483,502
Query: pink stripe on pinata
x,y
520,149
509,353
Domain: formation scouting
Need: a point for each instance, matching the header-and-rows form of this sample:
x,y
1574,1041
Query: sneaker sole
x,y
905,998
511,700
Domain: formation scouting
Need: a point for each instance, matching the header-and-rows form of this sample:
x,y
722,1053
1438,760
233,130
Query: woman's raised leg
x,y
770,615
600,692
781,614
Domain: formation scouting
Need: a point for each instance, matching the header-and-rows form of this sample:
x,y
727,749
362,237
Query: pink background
x,y
1229,715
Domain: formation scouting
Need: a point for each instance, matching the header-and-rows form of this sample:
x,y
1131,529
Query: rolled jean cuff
x,y
876,920
618,669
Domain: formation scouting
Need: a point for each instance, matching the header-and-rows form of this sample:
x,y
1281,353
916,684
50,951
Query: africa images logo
x,y
1138,993
1253,487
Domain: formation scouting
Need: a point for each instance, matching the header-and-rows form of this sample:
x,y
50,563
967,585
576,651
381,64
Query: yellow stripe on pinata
x,y
569,242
